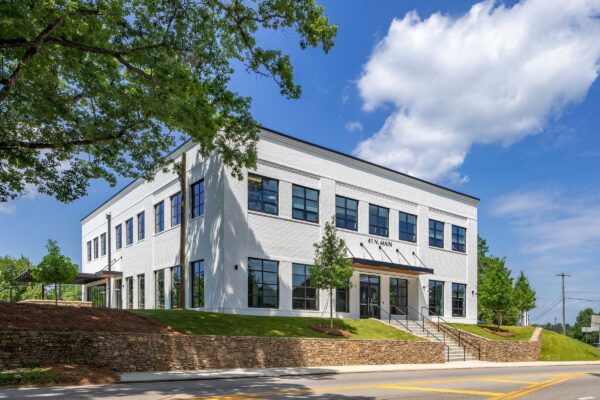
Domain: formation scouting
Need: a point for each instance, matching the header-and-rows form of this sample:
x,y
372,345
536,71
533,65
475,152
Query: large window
x,y
129,231
175,286
103,244
198,199
346,213
141,291
458,238
398,296
305,203
408,227
119,293
159,289
118,236
304,296
342,299
141,225
89,251
378,220
97,295
263,194
176,209
129,282
436,298
95,247
263,283
458,299
197,273
159,217
436,233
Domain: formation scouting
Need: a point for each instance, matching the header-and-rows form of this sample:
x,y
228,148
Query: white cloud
x,y
493,75
7,208
353,126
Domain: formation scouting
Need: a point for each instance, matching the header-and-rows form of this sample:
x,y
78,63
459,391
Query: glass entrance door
x,y
369,296
398,296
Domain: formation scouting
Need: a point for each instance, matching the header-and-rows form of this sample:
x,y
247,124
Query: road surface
x,y
540,383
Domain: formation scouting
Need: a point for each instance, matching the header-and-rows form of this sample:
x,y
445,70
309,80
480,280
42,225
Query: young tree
x,y
495,291
332,269
10,268
524,295
584,319
55,268
90,89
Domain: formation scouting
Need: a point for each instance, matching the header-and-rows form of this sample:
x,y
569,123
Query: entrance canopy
x,y
81,279
389,267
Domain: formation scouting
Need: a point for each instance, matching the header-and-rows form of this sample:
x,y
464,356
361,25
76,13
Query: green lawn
x,y
205,323
520,332
28,376
557,347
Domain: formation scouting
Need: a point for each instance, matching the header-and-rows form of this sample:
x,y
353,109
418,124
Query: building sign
x,y
380,242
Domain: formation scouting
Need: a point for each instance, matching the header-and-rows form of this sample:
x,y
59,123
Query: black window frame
x,y
141,225
198,198
262,190
159,290
457,233
96,247
377,229
198,281
89,250
129,232
433,307
102,244
118,237
343,222
300,302
159,218
342,306
175,209
459,305
302,214
175,291
260,297
438,226
405,234
141,285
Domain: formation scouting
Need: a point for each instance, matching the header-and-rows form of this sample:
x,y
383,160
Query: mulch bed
x,y
51,318
499,333
329,331
58,374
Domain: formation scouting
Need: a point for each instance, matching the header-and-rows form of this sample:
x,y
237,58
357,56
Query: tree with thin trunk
x,y
332,269
55,268
495,291
524,294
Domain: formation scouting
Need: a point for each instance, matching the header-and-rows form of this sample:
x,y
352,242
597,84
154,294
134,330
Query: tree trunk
x,y
331,308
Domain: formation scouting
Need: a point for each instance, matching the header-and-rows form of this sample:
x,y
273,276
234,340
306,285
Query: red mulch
x,y
499,333
329,331
51,318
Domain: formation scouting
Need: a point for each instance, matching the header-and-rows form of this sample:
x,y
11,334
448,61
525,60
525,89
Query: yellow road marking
x,y
507,381
534,388
441,390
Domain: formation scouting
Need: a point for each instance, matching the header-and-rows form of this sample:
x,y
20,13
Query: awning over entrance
x,y
81,279
389,267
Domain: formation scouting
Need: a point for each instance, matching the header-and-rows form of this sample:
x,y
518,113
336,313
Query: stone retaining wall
x,y
156,352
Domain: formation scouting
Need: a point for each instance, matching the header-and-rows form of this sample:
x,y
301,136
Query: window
x,y
97,295
197,272
176,209
304,296
118,293
346,213
129,231
342,299
378,220
175,286
129,293
263,283
89,251
398,296
263,194
118,236
408,227
103,244
141,225
436,298
198,199
159,217
95,247
141,291
305,203
458,299
436,233
159,289
458,238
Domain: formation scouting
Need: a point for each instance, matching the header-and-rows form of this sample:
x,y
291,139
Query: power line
x,y
593,300
547,305
547,311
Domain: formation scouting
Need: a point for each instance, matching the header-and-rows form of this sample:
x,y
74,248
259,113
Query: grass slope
x,y
520,332
206,323
557,347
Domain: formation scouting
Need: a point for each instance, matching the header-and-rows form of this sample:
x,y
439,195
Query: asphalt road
x,y
540,383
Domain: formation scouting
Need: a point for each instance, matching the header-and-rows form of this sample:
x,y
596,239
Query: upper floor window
x,y
304,296
198,199
129,231
95,247
436,233
346,213
263,283
458,238
408,227
118,236
305,203
379,220
103,244
159,217
263,194
176,209
141,225
89,251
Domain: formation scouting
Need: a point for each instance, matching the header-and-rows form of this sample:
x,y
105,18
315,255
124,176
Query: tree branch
x,y
43,146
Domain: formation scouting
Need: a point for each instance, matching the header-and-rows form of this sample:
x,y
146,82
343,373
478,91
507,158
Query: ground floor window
x,y
129,282
118,294
197,274
436,298
141,291
342,299
398,296
175,286
263,283
159,289
97,295
304,296
458,299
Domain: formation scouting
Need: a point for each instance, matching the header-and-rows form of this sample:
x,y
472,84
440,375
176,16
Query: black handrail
x,y
404,325
458,336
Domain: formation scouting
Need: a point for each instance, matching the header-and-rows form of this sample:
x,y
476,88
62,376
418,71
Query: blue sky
x,y
474,99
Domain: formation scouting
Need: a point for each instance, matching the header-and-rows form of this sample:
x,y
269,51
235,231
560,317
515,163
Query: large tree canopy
x,y
91,89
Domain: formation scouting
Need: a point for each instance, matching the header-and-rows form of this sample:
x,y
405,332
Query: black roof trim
x,y
400,267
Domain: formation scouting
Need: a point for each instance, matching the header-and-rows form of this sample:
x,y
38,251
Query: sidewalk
x,y
166,376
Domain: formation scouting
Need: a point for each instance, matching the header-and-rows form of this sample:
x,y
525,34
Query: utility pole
x,y
562,275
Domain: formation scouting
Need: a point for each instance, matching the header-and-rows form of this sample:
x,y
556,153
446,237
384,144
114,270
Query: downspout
x,y
182,230
109,261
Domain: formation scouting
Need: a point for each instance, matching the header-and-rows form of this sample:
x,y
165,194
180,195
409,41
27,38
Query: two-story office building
x,y
249,243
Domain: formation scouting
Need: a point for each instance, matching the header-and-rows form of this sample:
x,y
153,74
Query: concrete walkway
x,y
167,376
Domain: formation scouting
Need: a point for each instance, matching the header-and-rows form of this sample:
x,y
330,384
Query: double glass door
x,y
369,296
398,296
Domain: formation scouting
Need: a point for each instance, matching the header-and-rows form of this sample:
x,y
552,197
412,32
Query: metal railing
x,y
390,317
462,340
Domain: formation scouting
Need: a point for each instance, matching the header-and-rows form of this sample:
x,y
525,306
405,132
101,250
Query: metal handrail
x,y
390,316
453,332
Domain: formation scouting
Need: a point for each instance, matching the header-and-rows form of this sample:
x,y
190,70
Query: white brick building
x,y
249,243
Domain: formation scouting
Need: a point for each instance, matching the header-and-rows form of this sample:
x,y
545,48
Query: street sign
x,y
588,329
595,320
